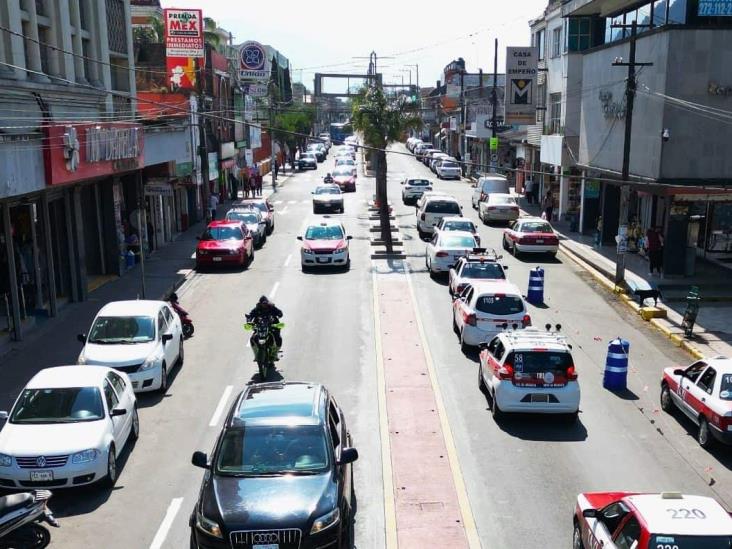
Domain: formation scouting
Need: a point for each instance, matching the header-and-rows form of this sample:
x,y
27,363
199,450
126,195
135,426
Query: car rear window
x,y
457,242
418,182
500,304
449,164
498,199
483,271
245,217
443,206
536,227
459,226
532,362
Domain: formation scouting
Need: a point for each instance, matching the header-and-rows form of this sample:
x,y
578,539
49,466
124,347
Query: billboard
x,y
521,72
183,45
253,62
715,8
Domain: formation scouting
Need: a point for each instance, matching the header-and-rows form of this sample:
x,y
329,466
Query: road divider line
x,y
162,532
287,261
221,405
283,210
292,202
390,525
471,531
276,287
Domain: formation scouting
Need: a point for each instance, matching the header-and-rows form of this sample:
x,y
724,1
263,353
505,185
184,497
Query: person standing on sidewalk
x,y
547,205
529,191
654,245
213,204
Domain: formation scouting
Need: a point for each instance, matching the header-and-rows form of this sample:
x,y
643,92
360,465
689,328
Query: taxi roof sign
x,y
664,516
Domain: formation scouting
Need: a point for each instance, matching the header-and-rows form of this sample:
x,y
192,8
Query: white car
x,y
458,224
531,235
498,207
252,219
432,210
67,428
344,161
327,197
143,339
325,245
414,188
529,371
484,307
445,248
474,267
447,169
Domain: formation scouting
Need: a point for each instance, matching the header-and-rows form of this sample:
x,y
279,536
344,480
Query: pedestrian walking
x,y
598,232
529,191
547,205
654,246
213,204
257,184
276,168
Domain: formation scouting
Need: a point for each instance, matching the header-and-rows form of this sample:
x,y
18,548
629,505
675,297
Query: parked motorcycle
x,y
185,319
263,344
20,518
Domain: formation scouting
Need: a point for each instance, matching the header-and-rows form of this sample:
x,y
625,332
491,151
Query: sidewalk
x,y
712,332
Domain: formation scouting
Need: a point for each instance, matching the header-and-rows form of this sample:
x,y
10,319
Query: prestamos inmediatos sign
x,y
183,33
521,72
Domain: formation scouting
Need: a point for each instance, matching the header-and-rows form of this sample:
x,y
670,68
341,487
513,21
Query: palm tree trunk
x,y
383,200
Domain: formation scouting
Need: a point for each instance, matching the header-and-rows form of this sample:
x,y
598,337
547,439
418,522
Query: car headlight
x,y
151,362
208,526
85,456
82,359
307,251
326,521
5,460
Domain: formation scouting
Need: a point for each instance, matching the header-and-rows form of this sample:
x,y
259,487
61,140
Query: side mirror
x,y
200,459
118,412
679,372
167,337
348,455
505,267
590,513
3,415
299,238
81,338
483,346
312,192
349,237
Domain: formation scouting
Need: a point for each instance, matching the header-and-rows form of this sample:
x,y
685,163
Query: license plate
x,y
217,259
539,398
323,260
40,476
267,546
539,241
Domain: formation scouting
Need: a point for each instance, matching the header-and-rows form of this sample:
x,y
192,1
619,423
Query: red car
x,y
345,178
650,521
225,243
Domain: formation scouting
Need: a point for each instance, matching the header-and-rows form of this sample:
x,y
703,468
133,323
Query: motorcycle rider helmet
x,y
263,300
173,297
328,174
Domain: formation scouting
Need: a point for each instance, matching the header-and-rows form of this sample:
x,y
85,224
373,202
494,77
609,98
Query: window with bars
x,y
557,42
540,103
116,26
555,113
579,33
41,7
539,43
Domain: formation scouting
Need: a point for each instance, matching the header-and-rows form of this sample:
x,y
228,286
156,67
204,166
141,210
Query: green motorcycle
x,y
263,344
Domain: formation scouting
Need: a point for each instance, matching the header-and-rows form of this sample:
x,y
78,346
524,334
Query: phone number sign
x,y
715,8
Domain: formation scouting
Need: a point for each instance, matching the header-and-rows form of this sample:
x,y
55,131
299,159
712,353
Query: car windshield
x,y
443,206
725,390
691,542
500,304
532,362
261,206
246,217
222,233
487,270
309,155
501,199
58,405
330,232
343,171
327,190
273,450
457,242
418,182
345,162
449,164
535,227
459,226
122,329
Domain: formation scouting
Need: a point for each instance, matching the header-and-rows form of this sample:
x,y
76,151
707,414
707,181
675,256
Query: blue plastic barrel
x,y
535,294
616,365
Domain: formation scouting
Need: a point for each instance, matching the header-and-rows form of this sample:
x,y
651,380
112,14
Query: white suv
x,y
414,188
432,210
529,371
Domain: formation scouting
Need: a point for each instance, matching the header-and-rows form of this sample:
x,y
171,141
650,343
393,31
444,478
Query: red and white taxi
x,y
325,245
345,178
668,520
530,235
703,391
482,264
225,243
529,371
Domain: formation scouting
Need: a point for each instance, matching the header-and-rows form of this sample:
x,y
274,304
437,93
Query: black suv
x,y
280,474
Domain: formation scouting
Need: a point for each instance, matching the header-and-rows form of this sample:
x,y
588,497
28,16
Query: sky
x,y
325,35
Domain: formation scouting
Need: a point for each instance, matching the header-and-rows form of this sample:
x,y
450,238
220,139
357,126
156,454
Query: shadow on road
x,y
147,400
718,451
546,428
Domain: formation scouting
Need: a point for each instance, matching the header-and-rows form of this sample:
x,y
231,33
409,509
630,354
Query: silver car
x,y
327,197
414,188
252,218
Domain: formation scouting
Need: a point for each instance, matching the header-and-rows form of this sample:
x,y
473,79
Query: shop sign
x,y
227,150
213,166
453,123
255,137
253,63
521,73
253,89
715,8
183,45
158,189
592,189
249,156
86,151
242,144
717,89
494,143
183,169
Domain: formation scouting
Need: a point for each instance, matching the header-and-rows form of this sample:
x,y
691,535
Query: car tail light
x,y
491,208
506,371
571,374
470,319
483,197
525,240
424,216
552,240
526,321
441,254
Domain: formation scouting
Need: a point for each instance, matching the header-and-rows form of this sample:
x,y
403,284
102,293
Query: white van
x,y
433,209
489,184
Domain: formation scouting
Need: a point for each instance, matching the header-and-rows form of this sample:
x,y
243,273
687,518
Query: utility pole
x,y
630,87
142,229
272,156
203,142
461,128
494,101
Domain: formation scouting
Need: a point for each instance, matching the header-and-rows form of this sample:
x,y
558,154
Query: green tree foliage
x,y
289,123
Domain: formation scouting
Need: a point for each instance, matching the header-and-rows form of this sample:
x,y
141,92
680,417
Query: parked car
x,y
318,149
225,243
325,244
414,188
436,158
327,198
307,160
489,184
498,207
67,428
531,235
448,169
280,473
445,248
432,210
143,339
252,220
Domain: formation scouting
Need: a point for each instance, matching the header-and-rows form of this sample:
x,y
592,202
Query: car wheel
x,y
572,418
181,353
193,544
464,347
481,381
303,268
111,478
135,431
315,210
667,404
348,265
504,243
515,251
163,379
495,410
703,435
421,234
250,259
577,538
454,325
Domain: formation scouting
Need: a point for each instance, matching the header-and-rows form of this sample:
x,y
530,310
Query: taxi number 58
x,y
686,513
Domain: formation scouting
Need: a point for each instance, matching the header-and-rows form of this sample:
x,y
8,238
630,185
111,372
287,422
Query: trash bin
x,y
616,365
535,293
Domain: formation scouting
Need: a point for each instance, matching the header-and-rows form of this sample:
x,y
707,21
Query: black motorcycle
x,y
263,343
20,518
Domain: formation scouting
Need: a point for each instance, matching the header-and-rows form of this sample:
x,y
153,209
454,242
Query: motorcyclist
x,y
328,178
173,299
266,309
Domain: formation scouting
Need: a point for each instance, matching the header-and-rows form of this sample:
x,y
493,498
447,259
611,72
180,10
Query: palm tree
x,y
382,121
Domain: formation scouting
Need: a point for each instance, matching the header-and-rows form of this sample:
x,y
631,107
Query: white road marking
x,y
293,202
220,407
287,261
277,202
274,290
162,532
283,210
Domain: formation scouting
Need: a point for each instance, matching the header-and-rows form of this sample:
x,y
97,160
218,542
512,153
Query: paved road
x,y
521,476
